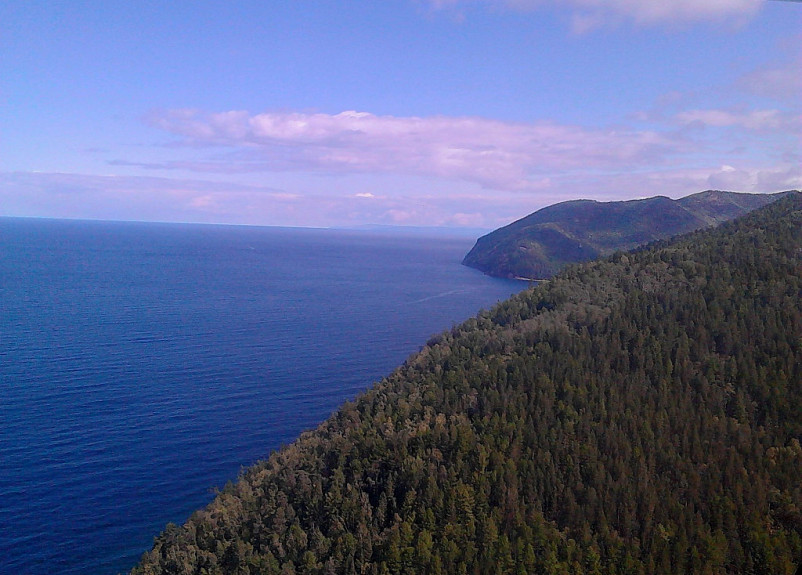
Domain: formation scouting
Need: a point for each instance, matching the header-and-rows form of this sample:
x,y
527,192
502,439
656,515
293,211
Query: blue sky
x,y
463,113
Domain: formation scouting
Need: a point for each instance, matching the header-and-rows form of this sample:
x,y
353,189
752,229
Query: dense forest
x,y
542,243
636,415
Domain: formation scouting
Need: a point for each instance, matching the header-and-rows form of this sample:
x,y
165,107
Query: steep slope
x,y
641,414
542,243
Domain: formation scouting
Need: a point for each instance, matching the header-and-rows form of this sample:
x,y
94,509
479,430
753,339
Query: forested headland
x,y
544,242
636,415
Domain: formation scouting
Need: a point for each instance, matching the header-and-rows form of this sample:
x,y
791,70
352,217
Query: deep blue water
x,y
143,364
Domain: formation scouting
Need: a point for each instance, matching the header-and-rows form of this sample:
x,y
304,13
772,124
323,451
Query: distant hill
x,y
638,415
542,243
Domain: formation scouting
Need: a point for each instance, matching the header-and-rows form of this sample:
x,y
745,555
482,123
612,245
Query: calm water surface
x,y
143,364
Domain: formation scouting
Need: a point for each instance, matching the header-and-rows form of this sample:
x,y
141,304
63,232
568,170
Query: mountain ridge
x,y
540,244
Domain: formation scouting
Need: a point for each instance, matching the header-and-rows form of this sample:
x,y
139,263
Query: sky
x,y
455,113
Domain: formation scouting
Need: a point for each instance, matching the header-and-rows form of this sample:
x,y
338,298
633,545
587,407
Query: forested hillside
x,y
542,243
637,415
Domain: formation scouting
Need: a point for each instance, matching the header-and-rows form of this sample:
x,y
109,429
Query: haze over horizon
x,y
464,113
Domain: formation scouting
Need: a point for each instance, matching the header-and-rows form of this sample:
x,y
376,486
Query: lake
x,y
143,364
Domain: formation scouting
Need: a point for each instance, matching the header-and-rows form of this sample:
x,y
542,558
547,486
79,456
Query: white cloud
x,y
494,154
782,82
165,199
593,13
748,179
64,195
680,182
475,220
759,120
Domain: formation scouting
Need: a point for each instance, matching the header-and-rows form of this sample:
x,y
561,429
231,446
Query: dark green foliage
x,y
637,415
544,242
